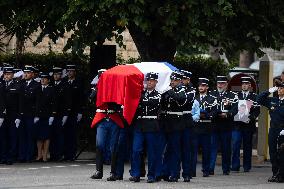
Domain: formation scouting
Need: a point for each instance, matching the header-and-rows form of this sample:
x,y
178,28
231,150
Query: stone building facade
x,y
47,45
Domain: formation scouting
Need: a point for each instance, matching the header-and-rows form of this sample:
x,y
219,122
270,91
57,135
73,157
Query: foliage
x,y
45,62
121,60
202,67
234,25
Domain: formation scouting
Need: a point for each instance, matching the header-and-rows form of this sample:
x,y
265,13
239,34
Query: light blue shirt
x,y
195,111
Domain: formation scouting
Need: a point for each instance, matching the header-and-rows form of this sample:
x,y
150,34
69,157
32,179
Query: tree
x,y
158,27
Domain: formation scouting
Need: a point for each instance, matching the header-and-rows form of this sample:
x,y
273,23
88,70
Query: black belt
x,y
147,117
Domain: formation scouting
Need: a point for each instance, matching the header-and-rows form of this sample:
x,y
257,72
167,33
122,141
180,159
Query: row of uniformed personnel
x,y
174,124
35,113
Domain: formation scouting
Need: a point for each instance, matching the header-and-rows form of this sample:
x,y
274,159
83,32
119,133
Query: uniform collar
x,y
57,82
147,91
28,81
8,82
245,92
44,86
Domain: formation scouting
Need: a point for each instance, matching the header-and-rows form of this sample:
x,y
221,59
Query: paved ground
x,y
76,175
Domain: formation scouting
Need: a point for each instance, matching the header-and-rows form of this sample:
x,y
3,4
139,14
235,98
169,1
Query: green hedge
x,y
45,62
202,67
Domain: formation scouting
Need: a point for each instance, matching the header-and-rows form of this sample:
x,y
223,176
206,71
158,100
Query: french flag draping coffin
x,y
123,85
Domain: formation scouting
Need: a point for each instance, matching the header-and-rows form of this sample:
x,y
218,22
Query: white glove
x,y
50,120
282,133
17,122
1,121
79,117
36,119
273,89
64,119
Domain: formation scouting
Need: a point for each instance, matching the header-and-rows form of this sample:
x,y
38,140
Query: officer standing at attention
x,y
3,135
275,106
75,93
12,117
203,128
172,122
146,129
222,133
243,132
186,136
63,103
29,95
45,112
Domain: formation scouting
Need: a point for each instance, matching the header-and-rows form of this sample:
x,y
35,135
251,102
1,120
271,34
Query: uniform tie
x,y
244,96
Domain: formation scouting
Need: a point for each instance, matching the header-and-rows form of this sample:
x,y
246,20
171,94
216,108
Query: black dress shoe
x,y
150,180
272,179
173,179
134,179
246,170
97,175
226,173
211,172
205,174
193,175
3,162
280,179
236,170
9,163
112,177
186,179
39,160
119,177
158,179
166,178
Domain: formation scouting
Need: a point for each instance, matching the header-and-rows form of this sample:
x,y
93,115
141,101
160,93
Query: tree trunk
x,y
153,47
246,58
20,48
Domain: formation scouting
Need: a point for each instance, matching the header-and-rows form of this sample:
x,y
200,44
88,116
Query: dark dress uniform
x,y
203,128
222,132
29,95
45,109
12,104
187,134
276,111
75,94
62,103
243,132
147,130
172,123
2,129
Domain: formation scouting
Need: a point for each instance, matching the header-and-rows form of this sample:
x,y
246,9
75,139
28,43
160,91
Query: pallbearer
x,y
190,115
172,122
108,128
147,130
